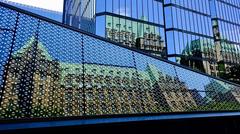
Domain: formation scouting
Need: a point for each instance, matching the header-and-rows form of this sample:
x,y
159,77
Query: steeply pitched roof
x,y
28,45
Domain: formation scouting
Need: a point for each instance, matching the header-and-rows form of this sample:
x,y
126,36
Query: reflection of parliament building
x,y
204,56
135,34
37,84
213,57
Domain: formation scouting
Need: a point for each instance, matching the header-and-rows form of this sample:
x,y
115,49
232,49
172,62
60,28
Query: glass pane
x,y
109,5
102,26
99,52
100,6
157,84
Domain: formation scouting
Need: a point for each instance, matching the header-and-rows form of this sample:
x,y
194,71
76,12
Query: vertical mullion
x,y
7,66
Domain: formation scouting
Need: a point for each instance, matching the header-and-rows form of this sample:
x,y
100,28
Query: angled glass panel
x,y
99,52
7,18
111,73
157,81
223,96
62,51
30,26
116,7
63,45
150,10
168,17
104,25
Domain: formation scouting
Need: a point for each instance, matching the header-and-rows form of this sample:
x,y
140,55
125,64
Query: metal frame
x,y
188,32
181,7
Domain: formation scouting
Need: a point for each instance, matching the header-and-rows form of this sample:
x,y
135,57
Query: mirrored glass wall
x,y
48,70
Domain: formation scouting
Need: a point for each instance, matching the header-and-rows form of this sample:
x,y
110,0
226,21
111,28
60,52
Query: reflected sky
x,y
192,79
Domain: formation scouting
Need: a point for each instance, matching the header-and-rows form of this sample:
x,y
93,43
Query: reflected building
x,y
134,23
201,49
215,64
204,35
37,85
226,28
189,34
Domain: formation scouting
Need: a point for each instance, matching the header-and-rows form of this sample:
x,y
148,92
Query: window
x,y
168,17
116,6
134,8
109,5
176,39
155,11
128,8
100,6
140,10
145,9
160,13
174,15
122,8
150,10
101,25
170,41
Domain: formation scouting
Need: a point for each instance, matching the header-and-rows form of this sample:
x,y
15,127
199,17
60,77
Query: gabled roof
x,y
28,45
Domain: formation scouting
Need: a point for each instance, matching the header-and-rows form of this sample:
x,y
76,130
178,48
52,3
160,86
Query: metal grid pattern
x,y
50,71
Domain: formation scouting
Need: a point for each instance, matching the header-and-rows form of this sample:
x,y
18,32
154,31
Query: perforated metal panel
x,y
50,71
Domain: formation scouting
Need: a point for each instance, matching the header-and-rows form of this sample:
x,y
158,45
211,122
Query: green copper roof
x,y
27,46
206,45
201,45
151,72
104,70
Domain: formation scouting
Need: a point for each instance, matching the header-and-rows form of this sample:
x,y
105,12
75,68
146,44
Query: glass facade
x,y
204,35
201,34
226,25
80,14
134,23
189,34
